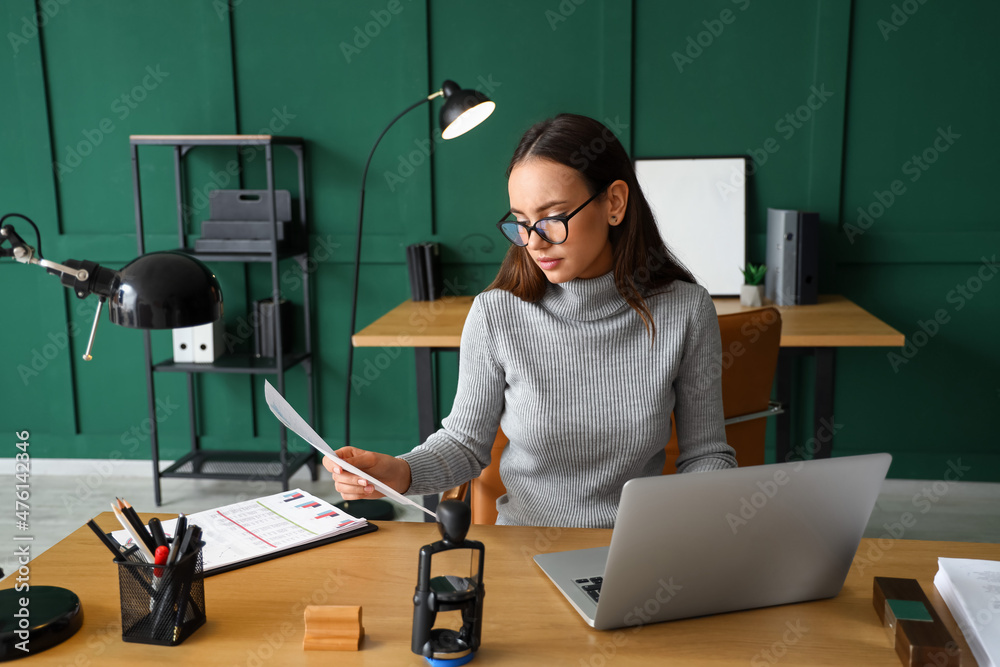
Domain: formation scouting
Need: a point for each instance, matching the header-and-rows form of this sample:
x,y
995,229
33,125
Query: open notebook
x,y
256,530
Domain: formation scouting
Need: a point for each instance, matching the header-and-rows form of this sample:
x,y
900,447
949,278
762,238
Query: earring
x,y
613,220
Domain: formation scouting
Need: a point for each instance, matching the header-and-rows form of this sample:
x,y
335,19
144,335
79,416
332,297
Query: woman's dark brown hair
x,y
642,263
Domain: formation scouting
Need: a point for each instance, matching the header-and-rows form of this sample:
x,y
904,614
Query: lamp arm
x,y
357,265
83,277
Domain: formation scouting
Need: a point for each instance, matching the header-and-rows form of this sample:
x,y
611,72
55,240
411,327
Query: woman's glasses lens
x,y
551,230
515,233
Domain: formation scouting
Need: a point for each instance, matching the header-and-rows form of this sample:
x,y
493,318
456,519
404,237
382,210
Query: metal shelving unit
x,y
232,464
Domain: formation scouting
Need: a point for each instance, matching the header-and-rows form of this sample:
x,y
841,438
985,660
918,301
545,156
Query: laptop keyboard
x,y
591,586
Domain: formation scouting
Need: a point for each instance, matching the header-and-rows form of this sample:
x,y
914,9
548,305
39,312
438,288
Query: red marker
x,y
160,558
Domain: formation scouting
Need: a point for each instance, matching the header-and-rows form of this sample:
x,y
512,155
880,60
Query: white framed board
x,y
700,206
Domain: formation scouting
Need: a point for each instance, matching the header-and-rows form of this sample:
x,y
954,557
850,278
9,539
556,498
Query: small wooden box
x,y
919,635
332,628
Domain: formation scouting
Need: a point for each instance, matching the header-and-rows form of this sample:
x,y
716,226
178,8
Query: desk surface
x,y
255,614
833,322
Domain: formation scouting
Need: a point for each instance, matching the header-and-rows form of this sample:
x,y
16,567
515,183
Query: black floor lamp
x,y
159,290
463,110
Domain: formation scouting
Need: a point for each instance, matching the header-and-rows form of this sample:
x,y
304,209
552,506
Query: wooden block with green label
x,y
917,632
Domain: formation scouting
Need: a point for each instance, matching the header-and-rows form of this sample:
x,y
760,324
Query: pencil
x,y
143,549
140,528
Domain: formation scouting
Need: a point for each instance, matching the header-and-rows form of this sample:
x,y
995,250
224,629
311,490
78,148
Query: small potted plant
x,y
752,293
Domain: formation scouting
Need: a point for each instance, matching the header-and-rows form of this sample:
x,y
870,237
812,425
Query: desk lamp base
x,y
52,616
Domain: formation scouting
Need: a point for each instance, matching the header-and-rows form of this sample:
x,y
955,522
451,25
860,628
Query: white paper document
x,y
971,589
253,528
290,418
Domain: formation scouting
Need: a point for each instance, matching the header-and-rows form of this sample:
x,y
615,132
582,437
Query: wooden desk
x,y
834,322
817,330
255,614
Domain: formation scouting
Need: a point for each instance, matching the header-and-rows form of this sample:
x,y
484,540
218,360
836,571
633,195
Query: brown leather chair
x,y
750,341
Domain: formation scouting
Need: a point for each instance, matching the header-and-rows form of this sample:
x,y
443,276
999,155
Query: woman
x,y
590,335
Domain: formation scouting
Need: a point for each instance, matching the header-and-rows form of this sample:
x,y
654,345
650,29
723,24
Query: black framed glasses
x,y
553,229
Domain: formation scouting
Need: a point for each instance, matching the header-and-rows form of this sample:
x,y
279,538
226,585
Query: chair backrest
x,y
750,342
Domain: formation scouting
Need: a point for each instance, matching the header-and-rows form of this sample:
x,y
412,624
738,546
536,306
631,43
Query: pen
x,y
160,558
105,540
115,548
179,529
140,528
156,530
191,537
143,549
186,541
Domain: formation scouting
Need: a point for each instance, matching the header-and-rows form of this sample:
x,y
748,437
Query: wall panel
x,y
830,102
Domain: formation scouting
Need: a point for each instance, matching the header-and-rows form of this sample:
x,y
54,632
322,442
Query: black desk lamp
x,y
463,110
160,290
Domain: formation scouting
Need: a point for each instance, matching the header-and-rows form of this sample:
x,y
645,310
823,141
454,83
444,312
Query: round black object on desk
x,y
51,616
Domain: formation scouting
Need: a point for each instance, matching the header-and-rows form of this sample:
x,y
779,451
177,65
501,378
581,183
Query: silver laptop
x,y
726,540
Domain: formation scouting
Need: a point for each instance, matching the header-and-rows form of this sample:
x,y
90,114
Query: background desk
x,y
255,614
431,326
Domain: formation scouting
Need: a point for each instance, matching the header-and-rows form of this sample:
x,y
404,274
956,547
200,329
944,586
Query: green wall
x,y
672,78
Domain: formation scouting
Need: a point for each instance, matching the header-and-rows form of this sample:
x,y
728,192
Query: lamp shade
x,y
463,109
165,290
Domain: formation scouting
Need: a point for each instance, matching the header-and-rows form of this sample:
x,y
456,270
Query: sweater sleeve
x,y
701,432
461,448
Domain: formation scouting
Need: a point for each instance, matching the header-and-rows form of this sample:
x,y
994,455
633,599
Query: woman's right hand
x,y
393,472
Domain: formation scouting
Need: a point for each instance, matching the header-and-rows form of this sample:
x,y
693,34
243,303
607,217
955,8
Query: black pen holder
x,y
165,609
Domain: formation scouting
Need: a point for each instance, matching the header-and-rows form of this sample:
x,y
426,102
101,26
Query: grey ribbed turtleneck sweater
x,y
583,396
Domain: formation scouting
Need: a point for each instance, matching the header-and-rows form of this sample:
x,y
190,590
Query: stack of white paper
x,y
971,589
